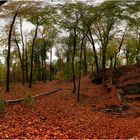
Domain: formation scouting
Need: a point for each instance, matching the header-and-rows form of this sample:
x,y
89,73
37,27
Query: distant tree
x,y
49,34
71,14
15,14
105,27
39,17
130,50
119,47
111,51
16,40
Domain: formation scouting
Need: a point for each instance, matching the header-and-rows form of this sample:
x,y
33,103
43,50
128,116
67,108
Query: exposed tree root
x,y
120,110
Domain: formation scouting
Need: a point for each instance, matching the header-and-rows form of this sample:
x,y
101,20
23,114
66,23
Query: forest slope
x,y
59,115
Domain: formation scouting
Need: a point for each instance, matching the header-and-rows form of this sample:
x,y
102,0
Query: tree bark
x,y
20,58
42,64
50,78
85,58
73,57
32,54
111,62
115,58
26,65
94,50
104,47
23,52
127,57
39,71
8,54
80,67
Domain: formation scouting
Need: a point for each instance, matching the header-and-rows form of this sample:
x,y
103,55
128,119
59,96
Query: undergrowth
x,y
29,100
2,105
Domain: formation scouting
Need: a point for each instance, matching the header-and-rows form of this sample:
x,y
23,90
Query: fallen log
x,y
35,96
47,93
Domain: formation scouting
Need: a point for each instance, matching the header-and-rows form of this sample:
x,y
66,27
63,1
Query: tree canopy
x,y
84,37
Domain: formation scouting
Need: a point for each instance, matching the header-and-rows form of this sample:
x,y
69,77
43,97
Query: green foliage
x,y
67,72
112,48
58,75
131,50
29,100
2,105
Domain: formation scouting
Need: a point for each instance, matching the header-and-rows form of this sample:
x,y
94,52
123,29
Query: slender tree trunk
x,y
92,68
115,58
20,58
50,78
80,67
61,66
127,57
23,52
39,71
45,71
32,54
73,58
45,62
104,48
85,58
26,65
68,57
104,64
111,62
139,44
138,52
42,65
8,54
95,52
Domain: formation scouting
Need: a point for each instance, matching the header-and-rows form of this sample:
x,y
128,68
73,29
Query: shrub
x,y
58,76
97,78
2,105
29,100
118,72
114,80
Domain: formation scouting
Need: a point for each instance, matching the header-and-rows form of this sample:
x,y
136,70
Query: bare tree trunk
x,y
138,52
85,58
23,52
20,58
45,71
32,54
39,71
42,65
104,64
73,57
115,58
8,54
45,62
127,57
80,67
26,65
104,48
111,62
94,50
9,48
50,78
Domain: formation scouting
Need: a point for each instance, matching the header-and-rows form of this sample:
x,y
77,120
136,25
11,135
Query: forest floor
x,y
59,115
